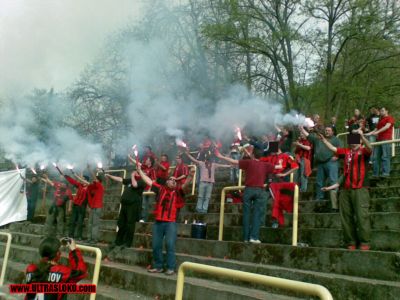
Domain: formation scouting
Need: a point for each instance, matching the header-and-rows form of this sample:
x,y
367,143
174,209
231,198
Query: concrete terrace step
x,y
341,286
381,265
376,205
392,204
132,278
379,221
330,238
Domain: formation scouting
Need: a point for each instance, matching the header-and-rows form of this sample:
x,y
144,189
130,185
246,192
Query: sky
x,y
47,43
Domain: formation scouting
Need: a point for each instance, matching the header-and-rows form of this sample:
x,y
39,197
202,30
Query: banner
x,y
13,203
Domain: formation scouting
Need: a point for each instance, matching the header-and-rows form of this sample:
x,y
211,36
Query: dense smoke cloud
x,y
162,100
22,143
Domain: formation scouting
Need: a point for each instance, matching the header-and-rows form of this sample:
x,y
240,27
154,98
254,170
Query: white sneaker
x,y
255,241
141,221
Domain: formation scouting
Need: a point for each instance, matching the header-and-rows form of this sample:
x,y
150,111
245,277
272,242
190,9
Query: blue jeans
x,y
234,171
300,177
169,231
372,139
205,190
325,170
381,160
254,206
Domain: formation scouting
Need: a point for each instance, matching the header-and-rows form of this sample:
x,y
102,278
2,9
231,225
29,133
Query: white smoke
x,y
61,143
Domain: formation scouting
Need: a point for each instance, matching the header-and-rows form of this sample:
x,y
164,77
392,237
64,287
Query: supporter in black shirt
x,y
130,208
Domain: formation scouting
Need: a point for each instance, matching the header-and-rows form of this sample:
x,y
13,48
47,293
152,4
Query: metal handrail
x,y
97,265
6,254
385,142
237,188
393,141
275,282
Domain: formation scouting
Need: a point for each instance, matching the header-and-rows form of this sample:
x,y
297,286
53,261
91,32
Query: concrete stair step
x,y
327,238
341,286
383,221
123,278
377,205
368,264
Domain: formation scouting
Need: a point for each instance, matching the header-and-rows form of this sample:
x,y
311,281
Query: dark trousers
x,y
31,208
76,221
354,214
127,218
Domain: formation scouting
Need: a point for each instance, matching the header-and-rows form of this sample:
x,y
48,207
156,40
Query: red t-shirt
x,y
282,159
61,193
95,194
167,199
180,170
81,193
161,173
355,166
256,172
151,173
302,152
387,134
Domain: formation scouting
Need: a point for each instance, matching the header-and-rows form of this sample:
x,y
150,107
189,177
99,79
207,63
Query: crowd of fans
x,y
268,161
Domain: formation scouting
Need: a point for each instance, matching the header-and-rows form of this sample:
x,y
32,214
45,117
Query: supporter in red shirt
x,y
383,153
48,270
95,201
148,169
165,221
162,169
281,190
303,157
354,198
255,196
180,173
78,205
56,211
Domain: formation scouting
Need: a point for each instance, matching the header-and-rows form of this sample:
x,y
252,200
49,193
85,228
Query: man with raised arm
x,y
255,196
56,211
207,180
165,220
129,213
354,198
78,205
326,162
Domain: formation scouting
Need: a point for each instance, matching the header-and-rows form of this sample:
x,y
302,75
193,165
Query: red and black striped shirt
x,y
355,166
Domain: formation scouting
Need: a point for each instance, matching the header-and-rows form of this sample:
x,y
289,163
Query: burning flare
x,y
238,133
100,165
180,143
135,151
309,123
